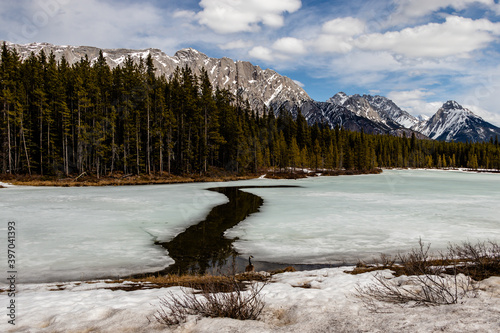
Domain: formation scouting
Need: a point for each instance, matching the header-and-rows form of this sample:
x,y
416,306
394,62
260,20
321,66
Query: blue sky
x,y
420,53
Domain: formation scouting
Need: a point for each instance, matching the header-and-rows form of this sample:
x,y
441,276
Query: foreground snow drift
x,y
309,301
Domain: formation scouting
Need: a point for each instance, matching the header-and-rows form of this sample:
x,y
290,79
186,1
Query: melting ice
x,y
83,233
343,219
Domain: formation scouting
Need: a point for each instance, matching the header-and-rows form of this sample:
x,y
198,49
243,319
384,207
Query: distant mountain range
x,y
261,87
265,89
452,122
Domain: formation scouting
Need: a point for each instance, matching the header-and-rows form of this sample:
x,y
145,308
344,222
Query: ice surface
x,y
81,233
343,219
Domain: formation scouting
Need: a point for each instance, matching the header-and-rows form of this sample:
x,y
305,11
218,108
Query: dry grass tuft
x,y
287,175
284,270
342,172
117,179
221,283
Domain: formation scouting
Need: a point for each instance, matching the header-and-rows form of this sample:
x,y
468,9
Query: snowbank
x,y
308,301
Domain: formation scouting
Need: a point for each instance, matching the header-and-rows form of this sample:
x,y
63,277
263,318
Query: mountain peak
x,y
339,98
452,105
189,53
453,122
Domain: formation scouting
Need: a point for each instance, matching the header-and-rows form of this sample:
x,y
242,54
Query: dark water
x,y
203,248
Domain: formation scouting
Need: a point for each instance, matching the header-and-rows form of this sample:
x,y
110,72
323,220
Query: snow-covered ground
x,y
328,305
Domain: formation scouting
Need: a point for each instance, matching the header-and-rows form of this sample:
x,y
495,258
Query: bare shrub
x,y
212,302
480,260
418,261
386,261
418,290
430,281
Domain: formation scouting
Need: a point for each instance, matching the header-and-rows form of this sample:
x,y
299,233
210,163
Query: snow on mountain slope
x,y
261,87
384,116
452,122
389,109
265,88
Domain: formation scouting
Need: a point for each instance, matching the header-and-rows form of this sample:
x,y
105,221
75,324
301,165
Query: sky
x,y
419,53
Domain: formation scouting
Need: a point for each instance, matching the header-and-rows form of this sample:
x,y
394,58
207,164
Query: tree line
x,y
62,119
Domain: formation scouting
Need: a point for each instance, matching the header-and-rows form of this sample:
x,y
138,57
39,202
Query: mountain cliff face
x,y
261,87
389,110
265,88
383,114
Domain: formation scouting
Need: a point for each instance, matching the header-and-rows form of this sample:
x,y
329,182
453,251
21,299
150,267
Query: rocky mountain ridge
x,y
265,89
452,122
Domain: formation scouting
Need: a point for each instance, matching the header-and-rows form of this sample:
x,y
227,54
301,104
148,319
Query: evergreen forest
x,y
60,119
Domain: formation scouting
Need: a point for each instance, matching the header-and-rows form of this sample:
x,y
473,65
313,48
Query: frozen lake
x,y
83,233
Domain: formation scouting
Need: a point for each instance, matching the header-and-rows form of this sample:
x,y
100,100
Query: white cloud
x,y
300,84
333,44
230,16
336,35
365,62
483,93
414,101
262,53
91,22
488,116
290,45
457,36
237,44
188,14
346,26
417,8
408,96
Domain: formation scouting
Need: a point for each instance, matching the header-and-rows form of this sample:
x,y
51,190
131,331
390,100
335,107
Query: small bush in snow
x,y
417,290
211,302
427,281
480,261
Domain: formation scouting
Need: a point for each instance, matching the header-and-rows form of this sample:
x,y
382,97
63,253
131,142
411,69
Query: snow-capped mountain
x,y
265,88
261,87
452,122
333,115
384,115
389,110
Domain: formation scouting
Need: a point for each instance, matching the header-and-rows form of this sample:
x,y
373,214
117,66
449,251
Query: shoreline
x,y
118,179
115,180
